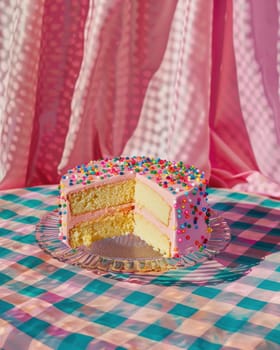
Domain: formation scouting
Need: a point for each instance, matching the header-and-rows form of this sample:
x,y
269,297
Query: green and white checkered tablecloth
x,y
47,304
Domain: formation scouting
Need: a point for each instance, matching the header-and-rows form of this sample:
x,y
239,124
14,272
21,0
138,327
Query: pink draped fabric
x,y
187,80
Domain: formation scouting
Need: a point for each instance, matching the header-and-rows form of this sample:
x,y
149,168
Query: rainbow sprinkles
x,y
163,202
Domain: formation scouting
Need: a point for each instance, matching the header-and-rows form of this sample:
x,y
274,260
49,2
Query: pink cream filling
x,y
77,219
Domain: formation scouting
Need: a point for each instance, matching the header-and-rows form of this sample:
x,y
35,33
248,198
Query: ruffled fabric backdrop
x,y
191,80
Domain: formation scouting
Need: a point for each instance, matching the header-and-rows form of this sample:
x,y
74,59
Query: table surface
x,y
47,304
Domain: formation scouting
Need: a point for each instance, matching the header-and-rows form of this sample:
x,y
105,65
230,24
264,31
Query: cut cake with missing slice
x,y
162,202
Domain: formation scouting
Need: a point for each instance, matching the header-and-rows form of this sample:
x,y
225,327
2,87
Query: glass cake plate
x,y
127,253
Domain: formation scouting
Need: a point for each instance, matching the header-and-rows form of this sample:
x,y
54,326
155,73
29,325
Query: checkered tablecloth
x,y
47,304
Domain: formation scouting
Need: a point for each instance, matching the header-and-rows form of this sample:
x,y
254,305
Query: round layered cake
x,y
162,202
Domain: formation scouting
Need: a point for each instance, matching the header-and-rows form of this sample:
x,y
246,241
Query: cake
x,y
163,202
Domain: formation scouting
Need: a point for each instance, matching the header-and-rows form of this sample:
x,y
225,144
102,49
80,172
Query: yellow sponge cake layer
x,y
147,198
151,235
85,233
101,197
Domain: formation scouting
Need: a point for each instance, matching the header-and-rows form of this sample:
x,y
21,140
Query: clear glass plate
x,y
128,253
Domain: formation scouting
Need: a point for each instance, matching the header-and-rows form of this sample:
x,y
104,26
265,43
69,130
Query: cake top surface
x,y
174,176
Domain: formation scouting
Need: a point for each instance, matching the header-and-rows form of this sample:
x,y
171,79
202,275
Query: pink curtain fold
x,y
231,156
191,80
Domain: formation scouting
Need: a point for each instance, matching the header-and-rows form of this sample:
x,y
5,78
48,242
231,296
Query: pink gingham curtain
x,y
191,80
